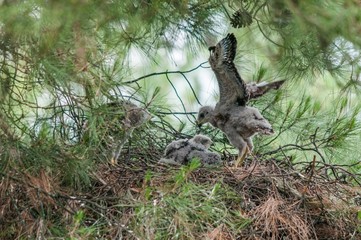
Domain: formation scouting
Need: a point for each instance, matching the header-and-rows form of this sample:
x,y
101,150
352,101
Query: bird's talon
x,y
113,161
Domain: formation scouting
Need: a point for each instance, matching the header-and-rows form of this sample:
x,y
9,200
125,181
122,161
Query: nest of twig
x,y
283,202
287,203
280,201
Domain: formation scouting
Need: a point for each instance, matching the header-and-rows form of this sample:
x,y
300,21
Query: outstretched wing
x,y
232,89
256,90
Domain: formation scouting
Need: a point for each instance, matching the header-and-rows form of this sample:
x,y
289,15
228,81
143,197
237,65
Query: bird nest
x,y
278,199
282,202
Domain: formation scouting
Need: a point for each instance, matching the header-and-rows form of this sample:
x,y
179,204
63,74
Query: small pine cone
x,y
241,18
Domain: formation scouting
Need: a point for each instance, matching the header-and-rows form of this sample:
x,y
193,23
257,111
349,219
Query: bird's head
x,y
203,140
205,114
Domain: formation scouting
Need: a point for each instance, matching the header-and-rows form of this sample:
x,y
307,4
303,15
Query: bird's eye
x,y
201,115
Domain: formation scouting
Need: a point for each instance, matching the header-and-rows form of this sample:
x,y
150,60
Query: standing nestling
x,y
231,115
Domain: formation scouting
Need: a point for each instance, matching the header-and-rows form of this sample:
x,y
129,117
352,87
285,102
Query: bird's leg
x,y
249,144
236,140
116,153
241,155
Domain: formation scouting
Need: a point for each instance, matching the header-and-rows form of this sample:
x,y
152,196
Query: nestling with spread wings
x,y
231,115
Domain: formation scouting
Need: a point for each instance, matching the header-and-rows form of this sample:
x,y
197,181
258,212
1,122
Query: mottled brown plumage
x,y
134,117
232,89
239,125
231,115
256,90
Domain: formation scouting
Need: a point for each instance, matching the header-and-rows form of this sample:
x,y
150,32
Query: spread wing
x,y
256,90
232,89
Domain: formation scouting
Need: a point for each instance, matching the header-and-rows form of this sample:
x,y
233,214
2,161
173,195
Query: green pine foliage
x,y
64,64
188,211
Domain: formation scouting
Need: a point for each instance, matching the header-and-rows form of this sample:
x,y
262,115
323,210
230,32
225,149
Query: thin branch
x,y
165,73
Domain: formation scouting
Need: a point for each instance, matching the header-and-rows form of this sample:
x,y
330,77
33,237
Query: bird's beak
x,y
199,123
212,48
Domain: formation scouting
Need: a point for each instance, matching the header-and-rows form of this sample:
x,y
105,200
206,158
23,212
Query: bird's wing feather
x,y
256,90
233,91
